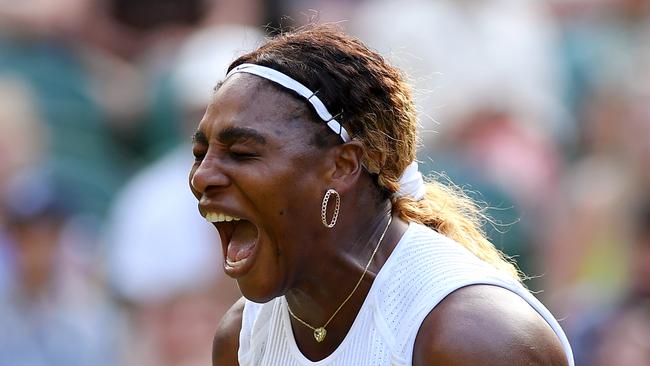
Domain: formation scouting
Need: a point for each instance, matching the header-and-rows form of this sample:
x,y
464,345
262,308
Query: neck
x,y
339,268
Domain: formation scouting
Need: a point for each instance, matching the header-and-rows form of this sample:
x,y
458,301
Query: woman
x,y
305,165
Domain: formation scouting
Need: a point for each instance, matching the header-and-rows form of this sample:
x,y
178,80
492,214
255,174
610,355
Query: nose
x,y
207,175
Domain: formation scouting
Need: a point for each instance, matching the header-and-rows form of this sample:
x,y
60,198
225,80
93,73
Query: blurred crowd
x,y
540,110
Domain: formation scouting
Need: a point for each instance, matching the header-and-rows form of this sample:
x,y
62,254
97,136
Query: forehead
x,y
249,101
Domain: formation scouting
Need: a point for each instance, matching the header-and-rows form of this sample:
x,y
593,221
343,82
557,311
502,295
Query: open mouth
x,y
239,239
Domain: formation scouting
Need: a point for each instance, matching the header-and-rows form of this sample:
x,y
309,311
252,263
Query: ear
x,y
347,167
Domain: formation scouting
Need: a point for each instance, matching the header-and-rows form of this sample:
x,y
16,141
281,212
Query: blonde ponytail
x,y
448,210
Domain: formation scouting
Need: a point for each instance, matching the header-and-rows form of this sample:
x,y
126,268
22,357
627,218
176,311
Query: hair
x,y
376,107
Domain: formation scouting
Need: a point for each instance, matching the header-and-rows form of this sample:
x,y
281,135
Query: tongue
x,y
242,241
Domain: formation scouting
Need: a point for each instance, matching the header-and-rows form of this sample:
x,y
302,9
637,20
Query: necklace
x,y
321,332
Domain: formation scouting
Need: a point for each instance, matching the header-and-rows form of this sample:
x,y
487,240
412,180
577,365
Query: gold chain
x,y
319,333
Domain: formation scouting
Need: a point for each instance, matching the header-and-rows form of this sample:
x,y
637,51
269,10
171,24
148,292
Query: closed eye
x,y
242,155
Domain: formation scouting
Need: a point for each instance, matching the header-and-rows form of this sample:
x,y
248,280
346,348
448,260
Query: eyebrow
x,y
216,87
234,134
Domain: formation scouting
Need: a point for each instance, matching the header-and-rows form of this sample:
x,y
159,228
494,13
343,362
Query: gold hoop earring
x,y
323,211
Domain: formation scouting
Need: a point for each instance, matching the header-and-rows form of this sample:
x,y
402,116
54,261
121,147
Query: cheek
x,y
286,193
289,207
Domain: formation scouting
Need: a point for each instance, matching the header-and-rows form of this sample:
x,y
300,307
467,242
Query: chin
x,y
258,292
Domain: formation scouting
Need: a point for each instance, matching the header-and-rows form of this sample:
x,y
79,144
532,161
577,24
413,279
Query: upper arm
x,y
226,339
486,325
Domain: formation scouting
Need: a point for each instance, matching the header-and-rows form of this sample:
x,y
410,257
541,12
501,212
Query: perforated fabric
x,y
422,270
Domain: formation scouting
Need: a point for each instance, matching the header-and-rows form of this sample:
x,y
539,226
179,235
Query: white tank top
x,y
423,269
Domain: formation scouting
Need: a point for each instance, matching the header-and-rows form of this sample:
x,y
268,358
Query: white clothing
x,y
423,269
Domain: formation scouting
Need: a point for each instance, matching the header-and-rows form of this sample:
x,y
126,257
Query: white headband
x,y
289,83
411,182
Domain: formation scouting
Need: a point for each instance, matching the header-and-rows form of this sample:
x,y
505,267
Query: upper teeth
x,y
220,217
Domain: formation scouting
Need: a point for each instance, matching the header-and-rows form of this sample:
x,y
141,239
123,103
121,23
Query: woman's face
x,y
260,182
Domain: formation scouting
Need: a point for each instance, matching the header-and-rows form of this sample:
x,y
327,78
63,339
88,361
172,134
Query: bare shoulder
x,y
226,338
486,325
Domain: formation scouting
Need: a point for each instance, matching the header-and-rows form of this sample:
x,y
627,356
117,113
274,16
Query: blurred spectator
x,y
98,70
584,235
53,312
467,56
620,335
605,54
23,137
23,140
38,46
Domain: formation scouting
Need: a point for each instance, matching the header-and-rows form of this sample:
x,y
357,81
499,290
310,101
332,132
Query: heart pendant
x,y
320,334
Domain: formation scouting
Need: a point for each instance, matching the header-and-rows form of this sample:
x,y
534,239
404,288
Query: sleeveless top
x,y
423,269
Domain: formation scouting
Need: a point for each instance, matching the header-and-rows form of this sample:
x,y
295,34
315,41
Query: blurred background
x,y
539,109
